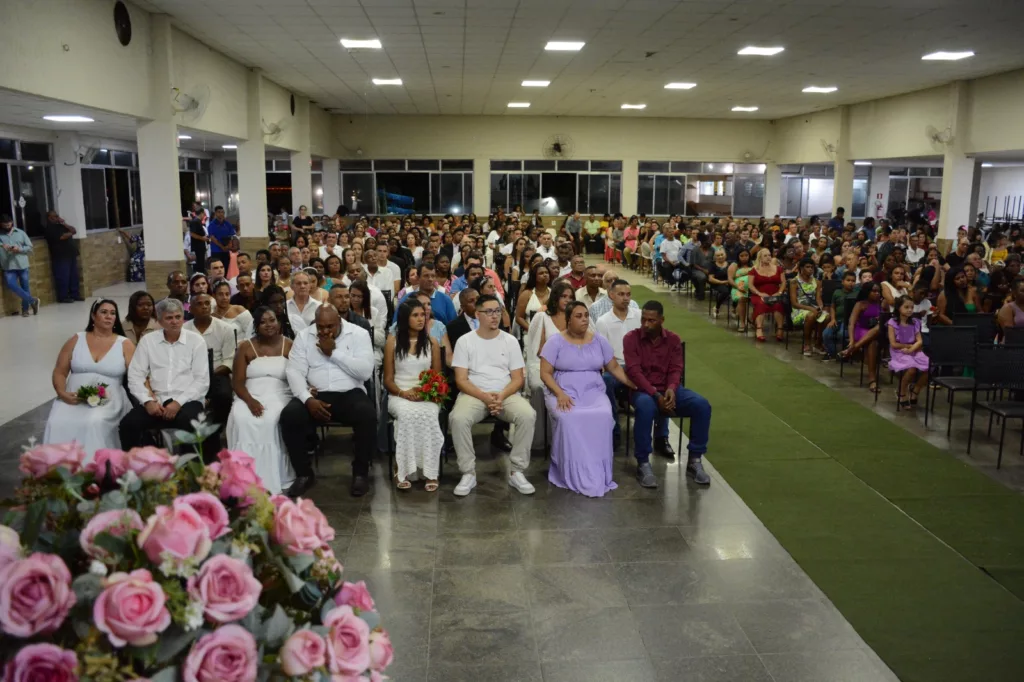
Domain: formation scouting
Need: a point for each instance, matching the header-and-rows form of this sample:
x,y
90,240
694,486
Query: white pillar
x,y
630,183
842,185
252,178
302,182
878,192
218,182
332,185
482,188
958,170
772,190
70,198
975,194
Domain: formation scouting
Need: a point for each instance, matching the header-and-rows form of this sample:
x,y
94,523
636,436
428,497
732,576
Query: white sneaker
x,y
519,482
466,485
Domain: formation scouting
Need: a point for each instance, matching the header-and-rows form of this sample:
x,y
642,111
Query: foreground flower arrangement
x,y
142,566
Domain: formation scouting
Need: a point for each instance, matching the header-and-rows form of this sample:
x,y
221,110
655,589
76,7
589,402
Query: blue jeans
x,y
65,276
834,338
688,404
17,283
612,385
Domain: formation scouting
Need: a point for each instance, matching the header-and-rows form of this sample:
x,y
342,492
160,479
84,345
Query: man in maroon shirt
x,y
654,362
577,277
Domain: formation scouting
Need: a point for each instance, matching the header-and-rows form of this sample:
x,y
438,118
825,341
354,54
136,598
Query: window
x,y
357,192
577,185
405,187
317,183
653,166
748,198
26,185
418,165
111,189
506,165
699,188
232,207
539,165
34,151
94,191
860,198
8,149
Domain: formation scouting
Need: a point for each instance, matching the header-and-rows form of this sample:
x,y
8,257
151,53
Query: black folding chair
x,y
952,349
997,369
629,410
1013,336
983,323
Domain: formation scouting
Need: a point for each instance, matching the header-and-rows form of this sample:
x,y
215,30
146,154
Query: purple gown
x,y
581,449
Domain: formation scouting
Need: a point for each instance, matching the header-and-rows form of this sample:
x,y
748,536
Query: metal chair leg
x,y
949,417
970,432
1002,437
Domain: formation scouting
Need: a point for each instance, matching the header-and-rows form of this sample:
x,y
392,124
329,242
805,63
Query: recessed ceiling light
x,y
680,86
104,151
821,89
387,81
536,84
744,108
947,56
986,165
67,118
634,106
518,105
371,44
761,51
184,137
229,146
564,46
861,163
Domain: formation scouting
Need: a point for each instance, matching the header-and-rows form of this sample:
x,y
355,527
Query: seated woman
x,y
273,297
896,286
864,329
99,355
906,352
957,297
359,301
197,284
235,314
264,277
718,279
261,393
534,296
765,283
545,326
418,435
805,298
140,320
1011,314
738,281
316,274
998,292
571,365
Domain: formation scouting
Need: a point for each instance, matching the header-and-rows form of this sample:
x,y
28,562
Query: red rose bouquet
x,y
433,387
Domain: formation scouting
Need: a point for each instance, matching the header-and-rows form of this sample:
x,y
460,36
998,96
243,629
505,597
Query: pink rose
x,y
132,609
42,663
238,476
304,651
10,546
348,642
320,525
294,530
226,587
228,654
35,595
116,522
101,391
355,595
381,651
117,460
177,533
42,459
211,511
151,464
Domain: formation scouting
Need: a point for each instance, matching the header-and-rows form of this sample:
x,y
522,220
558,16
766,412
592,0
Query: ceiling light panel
x,y
761,51
947,56
680,86
536,84
824,90
564,46
634,106
354,44
744,108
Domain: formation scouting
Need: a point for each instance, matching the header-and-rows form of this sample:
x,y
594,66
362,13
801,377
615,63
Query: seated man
x,y
174,361
327,368
654,362
613,326
489,372
339,298
220,338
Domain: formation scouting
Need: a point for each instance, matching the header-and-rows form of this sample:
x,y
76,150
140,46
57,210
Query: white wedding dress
x,y
418,437
95,428
260,437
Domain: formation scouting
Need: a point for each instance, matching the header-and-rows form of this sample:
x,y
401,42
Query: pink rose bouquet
x,y
160,567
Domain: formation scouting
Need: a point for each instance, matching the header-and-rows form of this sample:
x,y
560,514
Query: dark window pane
x,y
583,193
653,166
123,159
355,165
435,193
539,165
404,193
598,195
573,165
357,192
860,198
389,165
100,158
615,194
559,190
35,151
531,192
661,194
316,166
231,166
748,195
506,165
499,190
645,194
606,165
204,191
467,193
7,150
6,207
232,206
269,165
457,164
279,193
282,165
136,198
897,196
677,194
451,193
686,166
515,191
897,171
205,165
790,168
420,165
30,184
95,196
119,212
192,164
936,172
919,171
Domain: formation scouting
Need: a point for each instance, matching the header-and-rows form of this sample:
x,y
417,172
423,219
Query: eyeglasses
x,y
491,311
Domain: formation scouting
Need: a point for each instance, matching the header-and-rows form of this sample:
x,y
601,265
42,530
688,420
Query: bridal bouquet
x,y
93,395
433,387
145,566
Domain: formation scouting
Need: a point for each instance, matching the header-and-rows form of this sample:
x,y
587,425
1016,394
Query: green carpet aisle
x,y
850,495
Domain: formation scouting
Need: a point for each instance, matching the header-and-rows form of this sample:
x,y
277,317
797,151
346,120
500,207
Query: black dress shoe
x,y
498,440
664,448
360,486
301,485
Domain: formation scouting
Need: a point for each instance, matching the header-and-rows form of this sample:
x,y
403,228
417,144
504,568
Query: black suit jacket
x,y
457,328
358,320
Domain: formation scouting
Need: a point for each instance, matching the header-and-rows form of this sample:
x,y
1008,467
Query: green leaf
x,y
301,562
166,675
294,582
57,507
185,459
14,518
278,628
64,473
328,606
222,546
185,437
253,622
116,546
372,618
115,499
173,641
87,587
35,516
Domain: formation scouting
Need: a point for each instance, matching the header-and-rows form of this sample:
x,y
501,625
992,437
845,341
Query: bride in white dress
x,y
261,393
418,436
99,355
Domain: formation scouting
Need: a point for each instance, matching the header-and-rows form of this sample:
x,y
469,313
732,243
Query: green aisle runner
x,y
921,553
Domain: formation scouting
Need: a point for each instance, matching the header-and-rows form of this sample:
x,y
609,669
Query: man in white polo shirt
x,y
613,326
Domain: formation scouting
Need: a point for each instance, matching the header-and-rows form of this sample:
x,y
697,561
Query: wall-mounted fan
x,y
829,148
939,139
272,131
558,147
189,106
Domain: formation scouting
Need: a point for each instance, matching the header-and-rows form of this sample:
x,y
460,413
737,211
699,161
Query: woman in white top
x,y
235,314
534,296
359,301
99,355
896,286
418,436
261,393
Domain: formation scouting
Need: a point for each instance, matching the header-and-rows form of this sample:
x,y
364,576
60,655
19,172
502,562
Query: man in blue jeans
x,y
654,362
14,249
60,237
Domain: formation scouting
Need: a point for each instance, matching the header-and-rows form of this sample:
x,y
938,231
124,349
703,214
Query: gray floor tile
x,y
573,586
629,545
409,632
740,541
387,521
503,640
713,669
540,547
488,588
667,584
587,634
835,666
542,514
638,670
763,580
397,591
522,671
795,625
461,550
475,514
403,551
690,630
343,518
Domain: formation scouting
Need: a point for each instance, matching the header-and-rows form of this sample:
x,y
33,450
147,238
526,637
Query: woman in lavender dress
x,y
571,364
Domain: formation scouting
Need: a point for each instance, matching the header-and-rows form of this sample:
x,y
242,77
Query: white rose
x,y
93,401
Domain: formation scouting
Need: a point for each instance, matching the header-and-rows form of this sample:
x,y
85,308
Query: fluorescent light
x,y
634,106
31,167
65,118
229,146
184,137
727,168
761,51
518,105
387,81
104,151
372,44
861,163
564,46
536,84
947,56
680,86
744,108
819,89
986,165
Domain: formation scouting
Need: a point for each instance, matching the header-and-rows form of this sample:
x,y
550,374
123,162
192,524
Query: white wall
x,y
995,110
998,185
798,139
895,126
275,108
195,69
321,132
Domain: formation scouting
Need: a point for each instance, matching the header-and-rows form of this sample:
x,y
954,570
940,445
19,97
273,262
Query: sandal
x,y
913,398
779,336
873,387
760,336
403,485
431,486
742,330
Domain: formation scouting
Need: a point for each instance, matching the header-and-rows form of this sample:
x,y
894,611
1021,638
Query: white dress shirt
x,y
176,371
348,367
307,314
396,271
582,295
613,329
547,252
383,279
603,305
326,252
671,251
220,338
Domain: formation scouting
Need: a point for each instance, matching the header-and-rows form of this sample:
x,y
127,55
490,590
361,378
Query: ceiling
x,y
19,109
470,56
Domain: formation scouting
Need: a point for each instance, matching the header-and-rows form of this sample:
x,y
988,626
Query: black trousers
x,y
200,263
220,396
135,424
352,408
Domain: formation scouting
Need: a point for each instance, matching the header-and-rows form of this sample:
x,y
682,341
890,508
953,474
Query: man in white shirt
x,y
545,247
331,248
506,249
215,271
220,338
301,308
592,292
175,363
379,275
489,372
671,258
613,326
377,300
244,263
914,252
328,367
383,259
603,305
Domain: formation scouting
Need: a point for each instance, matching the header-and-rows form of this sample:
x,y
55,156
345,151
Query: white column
x,y
332,185
842,186
302,182
252,178
218,182
630,182
878,192
958,169
975,194
772,190
70,198
482,188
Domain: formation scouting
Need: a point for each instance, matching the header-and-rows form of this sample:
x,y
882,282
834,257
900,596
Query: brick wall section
x,y
253,244
156,275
